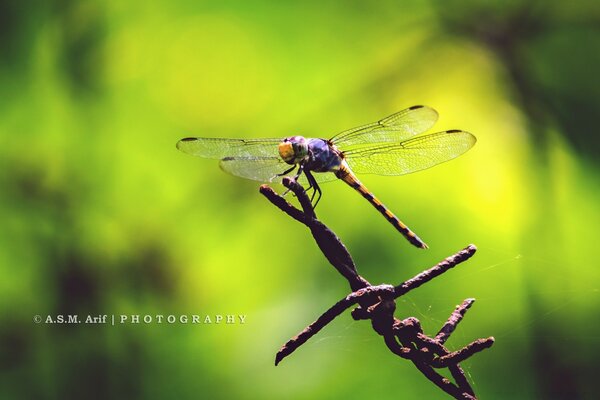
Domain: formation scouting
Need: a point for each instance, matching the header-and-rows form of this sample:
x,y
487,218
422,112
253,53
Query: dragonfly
x,y
394,145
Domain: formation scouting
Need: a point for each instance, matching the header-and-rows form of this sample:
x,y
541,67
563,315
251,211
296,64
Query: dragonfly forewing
x,y
219,148
395,128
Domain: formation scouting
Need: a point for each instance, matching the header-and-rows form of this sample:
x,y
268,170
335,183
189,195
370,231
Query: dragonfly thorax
x,y
294,149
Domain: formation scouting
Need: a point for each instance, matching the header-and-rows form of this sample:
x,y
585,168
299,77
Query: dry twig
x,y
404,338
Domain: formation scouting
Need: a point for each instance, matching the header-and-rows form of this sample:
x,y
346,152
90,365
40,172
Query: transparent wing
x,y
218,148
266,169
320,177
411,155
395,128
262,169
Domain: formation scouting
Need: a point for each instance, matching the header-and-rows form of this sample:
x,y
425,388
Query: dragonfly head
x,y
293,149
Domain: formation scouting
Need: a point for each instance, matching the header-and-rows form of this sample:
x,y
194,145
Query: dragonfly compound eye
x,y
293,150
286,151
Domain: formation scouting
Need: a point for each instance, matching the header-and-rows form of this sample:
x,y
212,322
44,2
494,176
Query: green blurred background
x,y
100,214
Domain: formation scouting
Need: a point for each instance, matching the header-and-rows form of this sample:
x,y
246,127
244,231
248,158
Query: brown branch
x,y
282,204
405,338
436,270
454,319
331,246
464,353
327,317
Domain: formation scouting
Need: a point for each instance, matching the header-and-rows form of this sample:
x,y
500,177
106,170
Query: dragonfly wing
x,y
320,177
395,128
262,169
412,155
267,169
218,148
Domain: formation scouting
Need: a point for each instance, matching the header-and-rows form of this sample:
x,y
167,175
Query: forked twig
x,y
404,338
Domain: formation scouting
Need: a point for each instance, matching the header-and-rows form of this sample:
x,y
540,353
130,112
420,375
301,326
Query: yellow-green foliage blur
x,y
101,215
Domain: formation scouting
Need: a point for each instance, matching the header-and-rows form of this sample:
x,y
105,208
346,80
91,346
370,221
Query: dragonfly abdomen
x,y
347,176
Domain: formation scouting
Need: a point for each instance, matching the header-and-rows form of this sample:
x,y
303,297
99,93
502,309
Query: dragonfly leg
x,y
300,170
288,171
315,186
312,183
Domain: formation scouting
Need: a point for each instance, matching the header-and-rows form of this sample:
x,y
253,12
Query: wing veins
x,y
410,155
218,148
394,128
